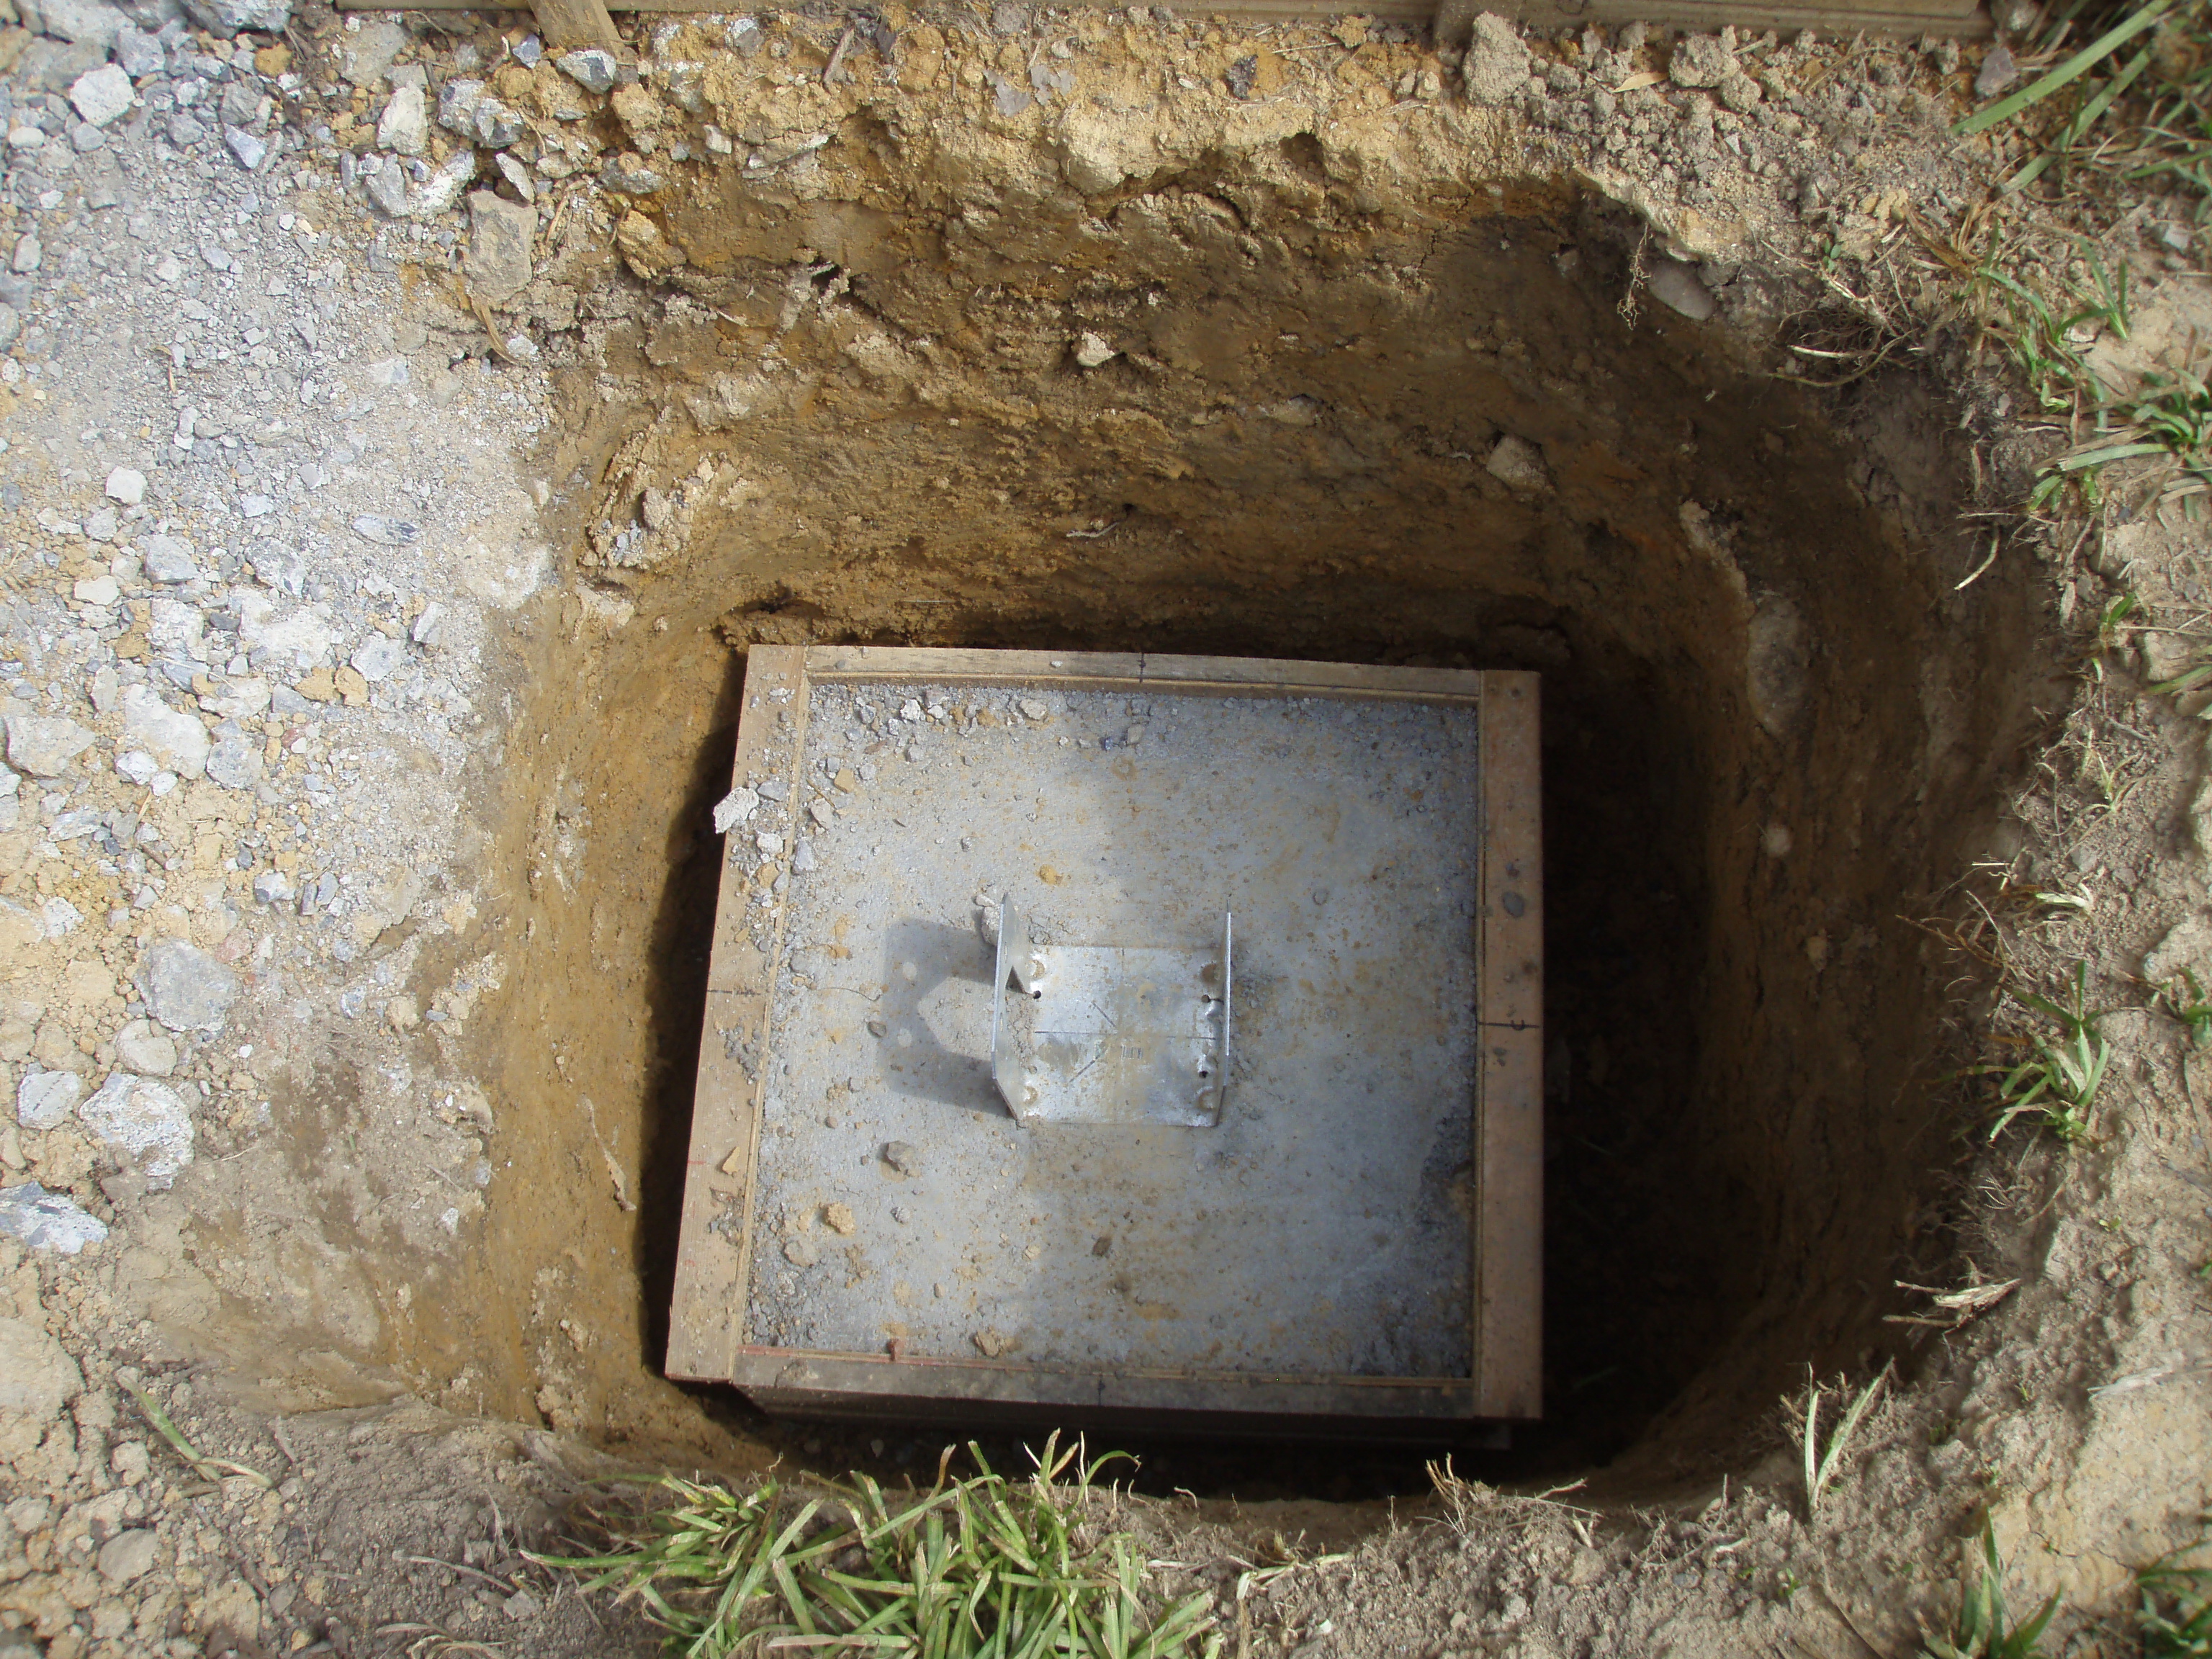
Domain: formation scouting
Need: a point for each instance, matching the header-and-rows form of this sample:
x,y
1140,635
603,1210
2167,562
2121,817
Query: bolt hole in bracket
x,y
1111,1034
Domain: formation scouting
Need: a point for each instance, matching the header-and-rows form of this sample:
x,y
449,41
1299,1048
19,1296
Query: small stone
x,y
272,887
903,1158
1675,285
1241,75
138,53
592,69
1997,72
443,188
379,657
47,1221
144,1120
387,192
457,103
97,591
1497,63
81,22
1034,708
226,18
363,57
405,126
517,175
277,565
187,989
735,808
496,125
500,235
127,485
1739,93
629,175
1519,464
235,761
185,131
36,1375
167,560
1701,60
128,1556
802,860
1090,352
44,746
250,151
800,1251
100,525
839,1219
44,1100
28,255
176,740
770,843
102,96
403,1014
386,533
144,1048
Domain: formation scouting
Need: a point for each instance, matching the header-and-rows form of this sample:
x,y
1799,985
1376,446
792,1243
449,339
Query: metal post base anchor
x,y
1110,1034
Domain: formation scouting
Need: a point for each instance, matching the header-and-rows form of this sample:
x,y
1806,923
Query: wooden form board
x,y
576,22
721,1231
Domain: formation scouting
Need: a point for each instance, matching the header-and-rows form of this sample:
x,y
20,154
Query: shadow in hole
x,y
683,939
925,1066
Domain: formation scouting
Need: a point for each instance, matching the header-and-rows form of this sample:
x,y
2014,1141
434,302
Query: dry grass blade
x,y
1821,1463
1962,1306
210,1469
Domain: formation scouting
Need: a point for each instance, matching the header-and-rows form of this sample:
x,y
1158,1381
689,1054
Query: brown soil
x,y
1769,717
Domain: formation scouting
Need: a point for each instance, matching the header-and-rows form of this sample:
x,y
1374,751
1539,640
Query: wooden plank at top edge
x,y
1964,20
1281,676
1509,1216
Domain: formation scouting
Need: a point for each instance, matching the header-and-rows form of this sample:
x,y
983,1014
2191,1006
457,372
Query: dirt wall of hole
x,y
863,412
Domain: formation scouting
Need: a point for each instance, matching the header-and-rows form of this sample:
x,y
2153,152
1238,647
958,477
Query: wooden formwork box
x,y
723,1311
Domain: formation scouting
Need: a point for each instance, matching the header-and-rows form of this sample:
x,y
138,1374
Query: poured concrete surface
x,y
1320,1229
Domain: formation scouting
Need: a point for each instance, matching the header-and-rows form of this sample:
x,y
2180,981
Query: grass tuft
x,y
2057,1085
1984,1628
2176,1621
980,1568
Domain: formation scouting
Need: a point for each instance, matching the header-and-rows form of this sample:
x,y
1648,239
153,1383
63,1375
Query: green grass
x,y
2176,1621
2182,998
2132,101
980,1568
1984,1628
2126,102
2055,1086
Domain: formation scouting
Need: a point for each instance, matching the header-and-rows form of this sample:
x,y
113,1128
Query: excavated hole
x,y
1773,725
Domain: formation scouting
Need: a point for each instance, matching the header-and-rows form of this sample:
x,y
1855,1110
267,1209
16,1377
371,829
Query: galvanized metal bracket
x,y
1111,1034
